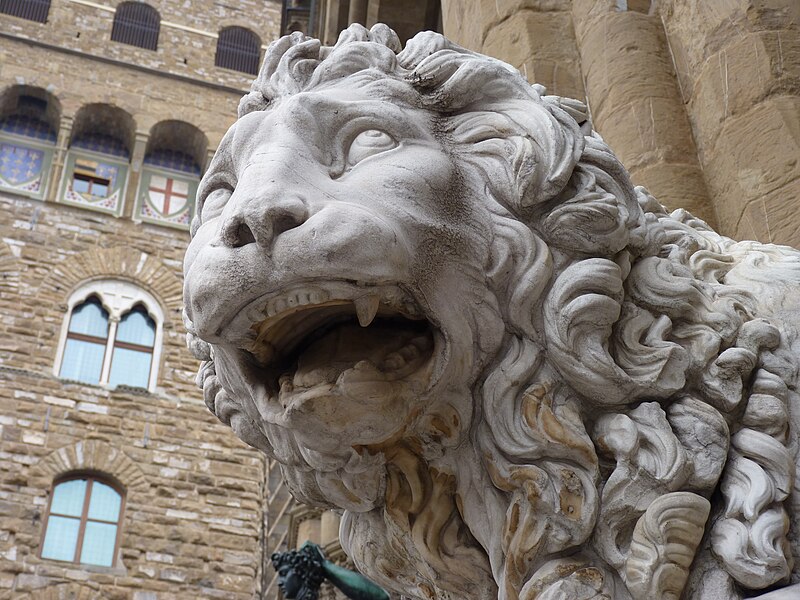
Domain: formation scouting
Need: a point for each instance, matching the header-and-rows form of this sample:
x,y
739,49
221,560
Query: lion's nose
x,y
262,222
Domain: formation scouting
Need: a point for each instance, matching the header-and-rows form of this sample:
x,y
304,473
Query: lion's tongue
x,y
343,347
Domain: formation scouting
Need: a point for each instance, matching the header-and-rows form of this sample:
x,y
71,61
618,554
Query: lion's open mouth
x,y
314,337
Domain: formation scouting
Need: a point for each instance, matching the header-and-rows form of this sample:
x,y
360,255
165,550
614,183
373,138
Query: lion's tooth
x,y
318,296
393,362
409,352
366,308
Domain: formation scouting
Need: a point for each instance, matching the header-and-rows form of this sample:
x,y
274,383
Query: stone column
x,y
329,527
137,158
635,101
536,37
357,13
738,64
336,13
59,157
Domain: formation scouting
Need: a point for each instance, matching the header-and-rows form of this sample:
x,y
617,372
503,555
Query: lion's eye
x,y
214,203
368,143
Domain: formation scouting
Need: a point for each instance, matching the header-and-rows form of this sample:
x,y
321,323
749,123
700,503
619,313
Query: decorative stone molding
x,y
119,262
90,455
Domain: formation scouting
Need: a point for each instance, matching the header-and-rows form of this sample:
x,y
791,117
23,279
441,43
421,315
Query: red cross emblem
x,y
168,196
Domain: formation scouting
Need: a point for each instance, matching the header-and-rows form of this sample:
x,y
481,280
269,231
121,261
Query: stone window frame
x,y
118,297
91,476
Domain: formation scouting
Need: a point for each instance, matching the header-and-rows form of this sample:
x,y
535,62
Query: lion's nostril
x,y
285,222
244,235
238,235
289,213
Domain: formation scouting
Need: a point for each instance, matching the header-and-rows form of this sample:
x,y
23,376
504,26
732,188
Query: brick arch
x,y
119,262
91,455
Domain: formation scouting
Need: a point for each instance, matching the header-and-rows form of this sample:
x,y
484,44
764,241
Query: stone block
x,y
624,58
678,185
542,44
732,81
647,131
736,175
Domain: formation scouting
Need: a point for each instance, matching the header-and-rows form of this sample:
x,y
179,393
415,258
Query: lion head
x,y
431,292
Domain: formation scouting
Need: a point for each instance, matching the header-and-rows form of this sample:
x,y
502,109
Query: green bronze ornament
x,y
301,573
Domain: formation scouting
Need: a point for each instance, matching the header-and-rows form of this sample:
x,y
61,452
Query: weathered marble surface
x,y
431,292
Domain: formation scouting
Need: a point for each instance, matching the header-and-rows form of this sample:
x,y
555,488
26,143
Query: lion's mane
x,y
635,364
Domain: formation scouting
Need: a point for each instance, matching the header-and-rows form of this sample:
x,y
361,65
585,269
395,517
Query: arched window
x,y
113,336
83,520
97,164
133,349
137,24
87,338
171,173
238,49
29,119
33,10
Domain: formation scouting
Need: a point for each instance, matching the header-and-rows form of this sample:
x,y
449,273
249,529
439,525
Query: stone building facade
x,y
90,130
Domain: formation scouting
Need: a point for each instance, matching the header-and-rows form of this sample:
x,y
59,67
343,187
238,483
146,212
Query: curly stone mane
x,y
639,399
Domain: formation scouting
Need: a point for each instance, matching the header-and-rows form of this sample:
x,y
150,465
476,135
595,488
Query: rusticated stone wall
x,y
701,100
194,518
192,524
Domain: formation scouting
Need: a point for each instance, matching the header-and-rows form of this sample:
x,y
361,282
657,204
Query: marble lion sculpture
x,y
431,292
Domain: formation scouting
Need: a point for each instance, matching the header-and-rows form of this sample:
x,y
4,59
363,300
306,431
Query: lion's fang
x,y
366,308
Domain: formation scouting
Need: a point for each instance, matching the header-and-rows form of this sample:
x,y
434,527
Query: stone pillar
x,y
137,158
357,13
336,14
537,38
59,157
636,104
308,530
406,17
329,528
738,65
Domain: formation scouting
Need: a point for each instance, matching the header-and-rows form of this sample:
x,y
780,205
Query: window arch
x,y
112,336
87,338
168,182
238,49
29,120
96,170
33,10
83,521
132,356
136,24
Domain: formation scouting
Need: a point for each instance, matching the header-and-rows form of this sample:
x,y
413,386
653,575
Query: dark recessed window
x,y
83,522
137,24
33,10
238,49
